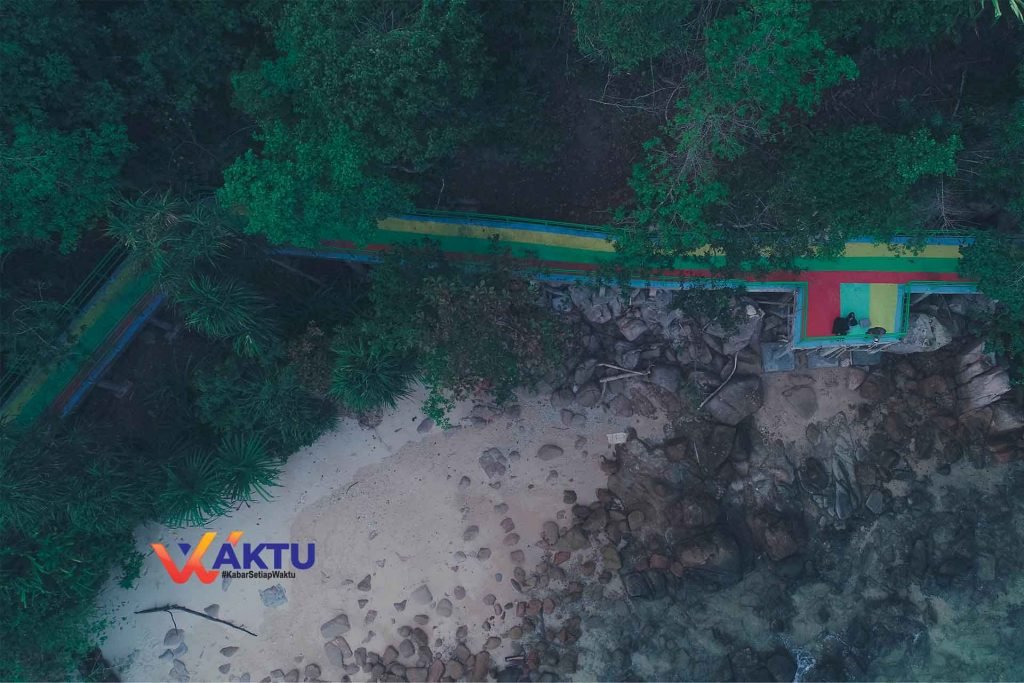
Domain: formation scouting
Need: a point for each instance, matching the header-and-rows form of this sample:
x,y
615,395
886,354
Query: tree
x,y
302,189
818,197
241,397
764,65
627,34
467,329
404,76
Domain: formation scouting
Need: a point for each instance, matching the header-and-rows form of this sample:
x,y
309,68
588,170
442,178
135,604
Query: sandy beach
x,y
410,532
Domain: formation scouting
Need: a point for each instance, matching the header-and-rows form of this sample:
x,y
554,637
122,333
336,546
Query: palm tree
x,y
194,493
367,376
246,467
228,309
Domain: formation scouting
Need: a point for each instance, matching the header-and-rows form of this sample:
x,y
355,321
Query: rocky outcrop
x,y
924,333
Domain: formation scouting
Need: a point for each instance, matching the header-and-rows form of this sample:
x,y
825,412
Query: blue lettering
x,y
277,548
251,556
310,556
226,556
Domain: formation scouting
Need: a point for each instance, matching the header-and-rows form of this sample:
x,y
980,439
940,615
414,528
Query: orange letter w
x,y
192,564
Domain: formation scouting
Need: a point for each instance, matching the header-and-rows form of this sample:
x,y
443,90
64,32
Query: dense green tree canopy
x,y
404,76
764,65
300,190
627,34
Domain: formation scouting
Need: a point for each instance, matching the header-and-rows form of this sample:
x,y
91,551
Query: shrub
x,y
367,376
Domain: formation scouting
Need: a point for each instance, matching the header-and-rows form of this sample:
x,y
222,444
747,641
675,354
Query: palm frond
x,y
246,467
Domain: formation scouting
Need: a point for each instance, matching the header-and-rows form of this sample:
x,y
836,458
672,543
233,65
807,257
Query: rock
x,y
588,396
173,637
470,533
511,539
716,553
212,610
549,531
364,585
444,607
566,663
743,396
419,636
781,666
584,371
459,592
875,388
436,670
517,557
985,565
334,654
1006,417
493,463
481,666
549,452
621,406
421,619
338,626
389,655
636,586
924,333
406,648
273,596
666,376
719,447
229,651
400,606
875,502
568,497
343,646
855,378
631,328
422,595
454,669
371,615
983,389
803,400
292,676
465,482
416,674
778,536
425,425
507,525
492,643
312,672
635,519
612,561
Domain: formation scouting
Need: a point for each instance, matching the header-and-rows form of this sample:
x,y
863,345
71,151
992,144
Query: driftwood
x,y
168,608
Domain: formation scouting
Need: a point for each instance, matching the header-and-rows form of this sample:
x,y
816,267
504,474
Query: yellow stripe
x,y
551,239
865,250
884,298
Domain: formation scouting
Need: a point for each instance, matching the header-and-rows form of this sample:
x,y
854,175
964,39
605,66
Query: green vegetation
x,y
627,35
459,330
198,136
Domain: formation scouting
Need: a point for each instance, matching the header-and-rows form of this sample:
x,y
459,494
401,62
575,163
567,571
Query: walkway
x,y
871,281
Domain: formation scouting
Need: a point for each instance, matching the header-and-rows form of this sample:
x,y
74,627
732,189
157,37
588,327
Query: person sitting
x,y
840,326
851,320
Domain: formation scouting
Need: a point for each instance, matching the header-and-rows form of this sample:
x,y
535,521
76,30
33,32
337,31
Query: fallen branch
x,y
168,608
735,363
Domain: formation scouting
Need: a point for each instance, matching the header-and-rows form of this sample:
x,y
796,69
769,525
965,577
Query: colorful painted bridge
x,y
873,281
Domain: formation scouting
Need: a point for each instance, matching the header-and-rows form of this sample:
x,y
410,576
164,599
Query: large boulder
x,y
737,400
983,389
924,333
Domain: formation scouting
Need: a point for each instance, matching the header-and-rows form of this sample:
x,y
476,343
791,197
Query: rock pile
x,y
642,355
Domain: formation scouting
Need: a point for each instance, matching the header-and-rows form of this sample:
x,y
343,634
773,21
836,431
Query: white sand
x,y
386,503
